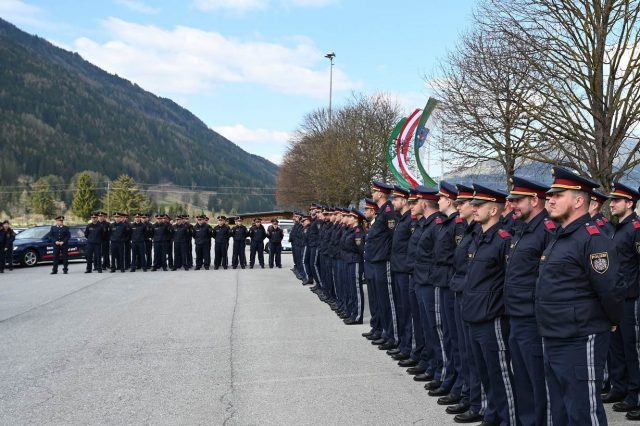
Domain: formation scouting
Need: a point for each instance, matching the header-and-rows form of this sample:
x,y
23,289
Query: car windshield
x,y
32,233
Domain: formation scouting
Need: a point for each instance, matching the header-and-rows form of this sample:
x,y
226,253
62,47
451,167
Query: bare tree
x,y
585,57
335,165
482,87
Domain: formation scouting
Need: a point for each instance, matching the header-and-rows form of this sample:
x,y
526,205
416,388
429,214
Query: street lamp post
x,y
330,57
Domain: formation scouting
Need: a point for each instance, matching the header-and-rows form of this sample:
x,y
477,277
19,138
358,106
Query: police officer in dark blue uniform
x,y
371,210
148,241
190,229
118,235
239,234
595,211
483,306
624,354
338,265
94,233
257,233
378,254
450,228
181,237
579,300
221,235
103,220
352,244
472,402
59,235
7,237
528,199
311,259
160,232
202,234
139,232
431,354
275,234
400,273
295,245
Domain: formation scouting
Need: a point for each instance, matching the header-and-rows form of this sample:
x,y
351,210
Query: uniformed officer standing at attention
x,y
579,300
190,226
103,219
119,234
483,306
168,240
257,233
400,273
202,234
527,245
159,236
448,234
275,234
624,372
378,254
94,233
181,237
595,211
370,211
470,408
148,241
239,234
59,235
221,235
138,236
432,353
9,238
294,236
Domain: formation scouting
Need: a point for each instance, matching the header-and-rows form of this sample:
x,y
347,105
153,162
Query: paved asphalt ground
x,y
234,347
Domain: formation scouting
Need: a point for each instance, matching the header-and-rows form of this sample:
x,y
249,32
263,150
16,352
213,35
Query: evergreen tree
x,y
125,197
84,199
42,199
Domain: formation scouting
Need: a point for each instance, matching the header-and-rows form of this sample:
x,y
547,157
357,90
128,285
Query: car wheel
x,y
29,258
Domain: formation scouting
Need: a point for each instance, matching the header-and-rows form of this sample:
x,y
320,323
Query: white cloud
x,y
236,5
252,5
409,101
241,134
20,13
187,60
138,6
270,144
311,3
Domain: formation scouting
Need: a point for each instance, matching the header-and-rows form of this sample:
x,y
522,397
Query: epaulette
x,y
458,220
636,223
504,234
592,229
438,221
549,225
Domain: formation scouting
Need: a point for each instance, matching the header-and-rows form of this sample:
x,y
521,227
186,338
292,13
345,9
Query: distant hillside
x,y
59,114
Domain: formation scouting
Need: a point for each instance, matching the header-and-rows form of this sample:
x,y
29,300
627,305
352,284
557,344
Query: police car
x,y
31,246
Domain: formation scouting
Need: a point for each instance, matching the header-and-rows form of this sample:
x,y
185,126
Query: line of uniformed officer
x,y
124,245
508,305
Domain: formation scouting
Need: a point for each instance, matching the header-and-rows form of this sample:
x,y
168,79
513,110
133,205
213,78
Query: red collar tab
x,y
458,219
636,223
592,230
549,225
439,221
504,234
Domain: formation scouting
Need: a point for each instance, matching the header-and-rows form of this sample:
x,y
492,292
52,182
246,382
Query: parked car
x,y
32,246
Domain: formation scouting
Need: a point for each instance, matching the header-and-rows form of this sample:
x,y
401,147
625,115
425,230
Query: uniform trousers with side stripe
x,y
573,368
385,300
355,304
488,341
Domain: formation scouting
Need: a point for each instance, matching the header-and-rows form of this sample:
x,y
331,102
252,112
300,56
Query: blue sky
x,y
251,69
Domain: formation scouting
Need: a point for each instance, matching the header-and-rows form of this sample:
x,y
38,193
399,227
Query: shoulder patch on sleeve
x,y
504,234
636,223
458,219
549,225
438,221
592,230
